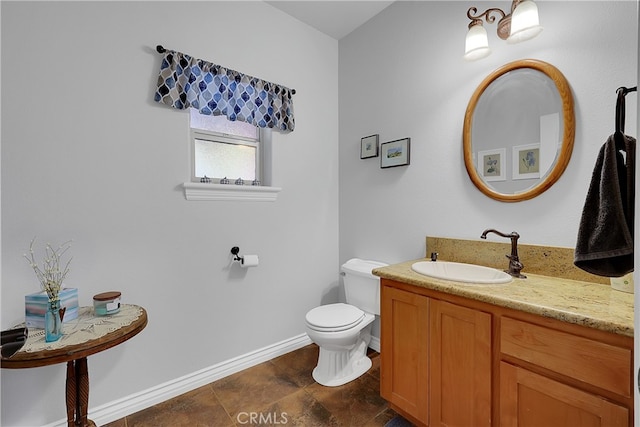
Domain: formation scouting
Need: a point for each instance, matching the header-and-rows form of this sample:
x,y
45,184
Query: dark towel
x,y
605,235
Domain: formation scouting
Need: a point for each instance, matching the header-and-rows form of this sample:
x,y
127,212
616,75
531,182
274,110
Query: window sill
x,y
201,191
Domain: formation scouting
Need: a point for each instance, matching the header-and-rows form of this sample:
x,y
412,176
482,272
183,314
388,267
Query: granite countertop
x,y
589,304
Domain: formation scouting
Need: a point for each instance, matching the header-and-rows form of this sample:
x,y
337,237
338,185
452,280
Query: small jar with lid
x,y
106,303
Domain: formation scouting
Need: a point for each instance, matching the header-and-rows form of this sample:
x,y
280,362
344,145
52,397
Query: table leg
x,y
71,394
77,393
82,404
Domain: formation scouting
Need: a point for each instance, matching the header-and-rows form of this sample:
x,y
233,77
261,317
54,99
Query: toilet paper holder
x,y
246,261
235,250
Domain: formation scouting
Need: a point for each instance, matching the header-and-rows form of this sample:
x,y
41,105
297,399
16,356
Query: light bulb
x,y
524,22
476,44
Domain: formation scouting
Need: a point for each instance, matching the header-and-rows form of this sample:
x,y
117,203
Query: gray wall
x,y
87,155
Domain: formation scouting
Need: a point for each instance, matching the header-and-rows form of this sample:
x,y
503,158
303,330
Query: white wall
x,y
87,155
402,75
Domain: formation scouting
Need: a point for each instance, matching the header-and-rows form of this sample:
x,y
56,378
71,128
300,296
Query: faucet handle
x,y
434,256
515,266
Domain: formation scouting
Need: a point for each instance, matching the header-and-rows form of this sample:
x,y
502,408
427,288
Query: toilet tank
x,y
361,288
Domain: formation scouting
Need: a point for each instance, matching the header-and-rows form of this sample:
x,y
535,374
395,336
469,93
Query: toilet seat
x,y
334,317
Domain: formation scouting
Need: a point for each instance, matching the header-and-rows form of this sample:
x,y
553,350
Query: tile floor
x,y
279,392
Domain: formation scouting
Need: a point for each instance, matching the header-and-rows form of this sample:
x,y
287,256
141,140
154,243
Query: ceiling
x,y
334,18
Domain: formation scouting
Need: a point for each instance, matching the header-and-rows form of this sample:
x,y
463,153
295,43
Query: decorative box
x,y
36,304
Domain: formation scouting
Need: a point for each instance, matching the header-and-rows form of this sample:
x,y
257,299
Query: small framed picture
x,y
526,161
395,153
369,146
491,164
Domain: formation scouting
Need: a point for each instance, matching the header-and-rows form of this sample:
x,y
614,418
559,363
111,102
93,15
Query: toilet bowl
x,y
342,331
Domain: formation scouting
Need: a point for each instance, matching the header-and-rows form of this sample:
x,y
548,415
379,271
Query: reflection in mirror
x,y
528,108
518,131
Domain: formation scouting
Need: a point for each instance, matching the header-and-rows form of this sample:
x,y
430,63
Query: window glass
x,y
218,159
222,125
224,149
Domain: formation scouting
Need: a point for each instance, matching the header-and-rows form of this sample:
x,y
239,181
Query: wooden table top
x,y
66,353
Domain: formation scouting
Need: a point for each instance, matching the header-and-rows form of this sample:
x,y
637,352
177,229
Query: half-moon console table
x,y
82,337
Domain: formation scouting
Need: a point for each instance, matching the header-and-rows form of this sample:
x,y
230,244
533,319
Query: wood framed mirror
x,y
519,130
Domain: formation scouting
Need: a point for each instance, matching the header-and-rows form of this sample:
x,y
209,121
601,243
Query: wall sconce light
x,y
519,25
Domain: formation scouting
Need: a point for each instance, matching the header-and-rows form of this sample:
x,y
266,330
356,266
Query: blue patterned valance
x,y
214,90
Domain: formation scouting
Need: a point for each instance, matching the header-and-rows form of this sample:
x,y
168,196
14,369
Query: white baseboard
x,y
375,344
131,404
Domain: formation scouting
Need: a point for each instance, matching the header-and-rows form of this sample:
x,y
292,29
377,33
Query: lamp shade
x,y
524,22
476,45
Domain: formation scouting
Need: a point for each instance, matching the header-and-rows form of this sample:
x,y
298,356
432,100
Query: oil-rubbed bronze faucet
x,y
515,266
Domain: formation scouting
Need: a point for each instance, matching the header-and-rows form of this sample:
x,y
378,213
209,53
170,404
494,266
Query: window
x,y
225,149
222,149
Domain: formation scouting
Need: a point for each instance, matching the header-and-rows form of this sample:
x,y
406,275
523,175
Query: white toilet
x,y
343,331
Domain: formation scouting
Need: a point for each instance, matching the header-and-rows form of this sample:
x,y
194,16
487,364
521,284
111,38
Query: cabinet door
x,y
460,366
528,399
404,340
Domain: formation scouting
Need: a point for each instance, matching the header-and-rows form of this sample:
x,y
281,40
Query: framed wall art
x,y
526,161
369,146
395,153
491,164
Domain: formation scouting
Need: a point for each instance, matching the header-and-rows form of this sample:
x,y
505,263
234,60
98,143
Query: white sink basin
x,y
460,272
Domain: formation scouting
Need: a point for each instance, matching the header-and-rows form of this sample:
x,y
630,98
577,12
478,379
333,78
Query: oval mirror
x,y
518,130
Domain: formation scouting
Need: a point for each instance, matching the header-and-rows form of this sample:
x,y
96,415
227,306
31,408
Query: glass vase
x,y
52,322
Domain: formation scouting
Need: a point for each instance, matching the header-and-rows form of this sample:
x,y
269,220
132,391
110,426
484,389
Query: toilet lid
x,y
334,317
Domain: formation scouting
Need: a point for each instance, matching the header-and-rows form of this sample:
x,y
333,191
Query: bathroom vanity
x,y
538,351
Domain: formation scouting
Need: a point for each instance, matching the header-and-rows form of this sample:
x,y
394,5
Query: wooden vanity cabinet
x,y
552,377
435,359
448,360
